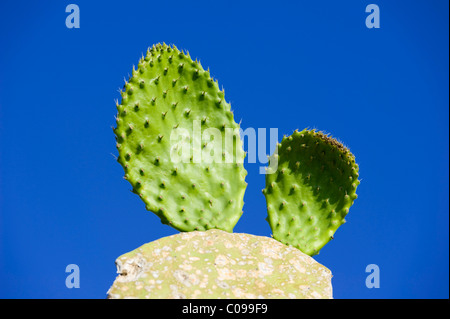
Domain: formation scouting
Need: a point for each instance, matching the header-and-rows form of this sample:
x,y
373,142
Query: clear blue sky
x,y
283,64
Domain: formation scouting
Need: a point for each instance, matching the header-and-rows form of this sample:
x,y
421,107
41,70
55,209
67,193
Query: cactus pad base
x,y
216,264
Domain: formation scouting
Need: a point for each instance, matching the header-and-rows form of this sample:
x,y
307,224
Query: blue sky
x,y
285,65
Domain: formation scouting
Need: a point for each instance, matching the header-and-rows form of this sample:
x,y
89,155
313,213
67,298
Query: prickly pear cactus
x,y
179,144
311,191
215,264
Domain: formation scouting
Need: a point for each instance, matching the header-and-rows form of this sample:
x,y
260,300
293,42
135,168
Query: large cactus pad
x,y
215,264
191,177
311,190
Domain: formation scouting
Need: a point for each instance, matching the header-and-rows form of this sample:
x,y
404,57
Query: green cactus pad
x,y
311,191
180,177
215,264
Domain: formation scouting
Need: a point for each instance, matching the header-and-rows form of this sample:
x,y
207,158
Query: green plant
x,y
311,191
311,181
181,151
168,97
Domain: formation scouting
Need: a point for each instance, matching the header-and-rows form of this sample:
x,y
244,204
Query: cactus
x,y
311,191
216,264
172,116
168,93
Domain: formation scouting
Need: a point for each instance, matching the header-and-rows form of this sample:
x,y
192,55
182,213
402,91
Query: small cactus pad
x,y
311,191
173,137
215,264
